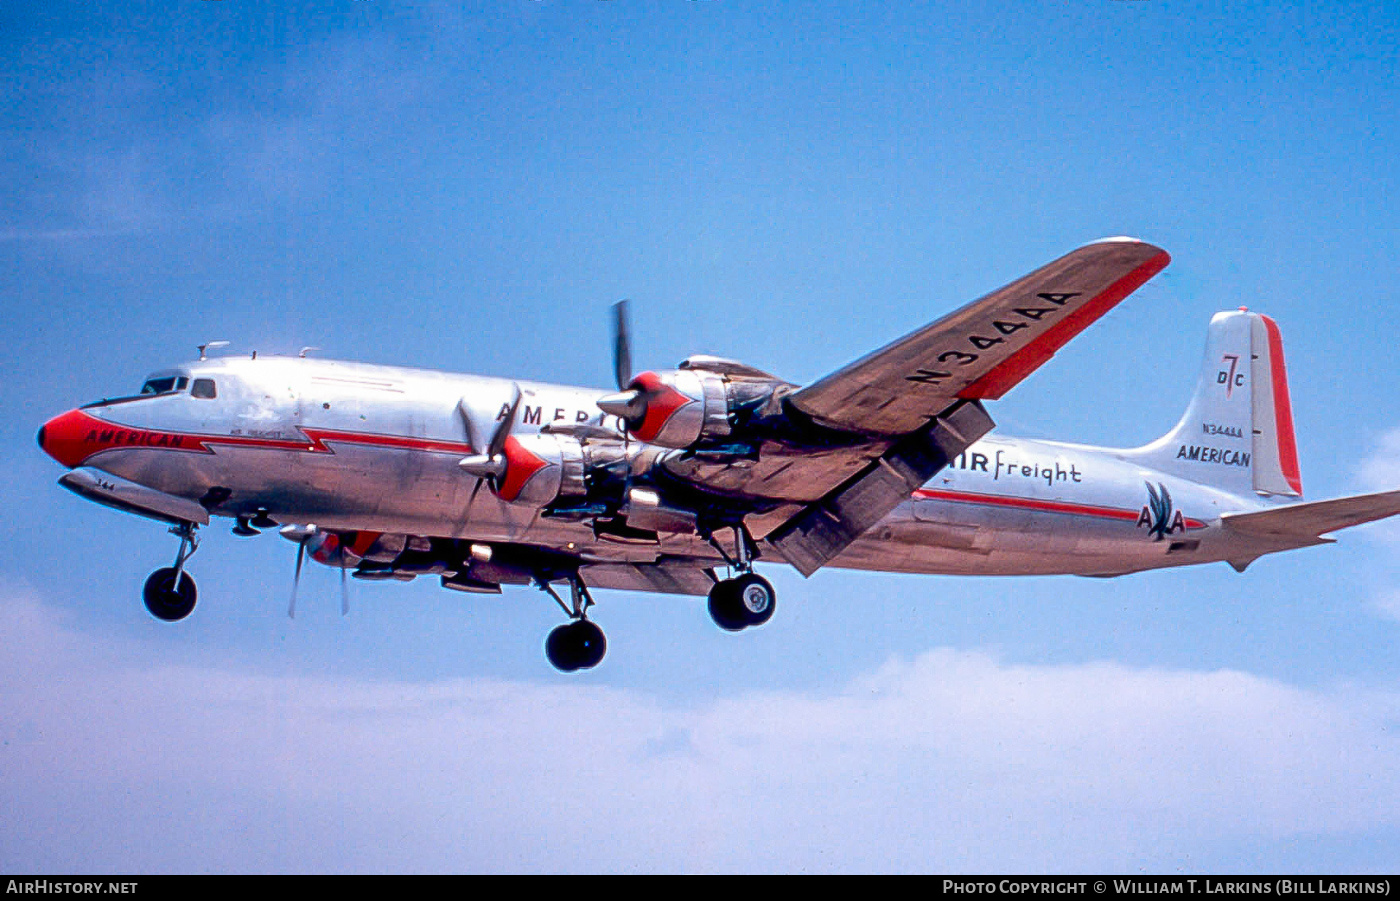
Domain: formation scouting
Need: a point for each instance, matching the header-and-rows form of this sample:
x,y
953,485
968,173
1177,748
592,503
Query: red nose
x,y
68,437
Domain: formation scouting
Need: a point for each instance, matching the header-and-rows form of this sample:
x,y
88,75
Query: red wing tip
x,y
1010,371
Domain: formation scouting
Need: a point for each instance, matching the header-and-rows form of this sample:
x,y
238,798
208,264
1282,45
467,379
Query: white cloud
x,y
1380,471
1387,604
951,761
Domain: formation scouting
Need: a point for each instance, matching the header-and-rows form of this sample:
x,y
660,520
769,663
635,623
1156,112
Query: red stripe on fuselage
x,y
74,437
1027,503
319,437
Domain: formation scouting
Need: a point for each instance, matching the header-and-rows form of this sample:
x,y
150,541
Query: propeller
x,y
622,346
301,535
296,580
491,466
629,404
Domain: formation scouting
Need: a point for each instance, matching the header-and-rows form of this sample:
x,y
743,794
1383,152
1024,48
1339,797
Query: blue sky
x,y
469,187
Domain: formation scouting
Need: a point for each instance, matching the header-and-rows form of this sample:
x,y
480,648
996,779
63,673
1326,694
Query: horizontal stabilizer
x,y
1309,521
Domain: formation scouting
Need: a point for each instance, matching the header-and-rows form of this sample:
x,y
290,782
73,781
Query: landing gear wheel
x,y
738,603
165,599
756,598
558,649
725,607
575,646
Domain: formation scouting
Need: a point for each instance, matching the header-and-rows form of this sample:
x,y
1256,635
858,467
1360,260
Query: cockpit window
x,y
203,388
154,387
159,386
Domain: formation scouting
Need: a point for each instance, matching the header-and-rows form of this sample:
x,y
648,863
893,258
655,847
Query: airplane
x,y
681,480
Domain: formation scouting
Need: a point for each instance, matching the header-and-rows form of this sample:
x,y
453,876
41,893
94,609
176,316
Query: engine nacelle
x,y
681,407
345,549
541,469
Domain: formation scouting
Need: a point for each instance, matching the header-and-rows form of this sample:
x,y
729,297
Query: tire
x,y
725,608
590,644
167,601
559,649
575,646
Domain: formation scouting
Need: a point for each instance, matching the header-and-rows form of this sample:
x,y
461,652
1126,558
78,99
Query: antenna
x,y
209,346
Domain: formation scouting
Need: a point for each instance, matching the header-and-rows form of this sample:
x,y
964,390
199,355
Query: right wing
x,y
984,349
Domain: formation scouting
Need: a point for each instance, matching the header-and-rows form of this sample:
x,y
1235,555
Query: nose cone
x,y
627,404
66,437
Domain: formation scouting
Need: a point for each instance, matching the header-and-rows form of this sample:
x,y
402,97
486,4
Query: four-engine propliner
x,y
682,479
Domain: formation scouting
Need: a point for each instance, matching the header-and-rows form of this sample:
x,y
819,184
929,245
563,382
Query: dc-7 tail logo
x,y
1157,514
1230,378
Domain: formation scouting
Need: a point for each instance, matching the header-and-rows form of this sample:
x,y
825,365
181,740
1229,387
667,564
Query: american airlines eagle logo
x,y
1157,514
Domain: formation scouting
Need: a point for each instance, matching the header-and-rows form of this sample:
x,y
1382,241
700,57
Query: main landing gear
x,y
747,599
170,593
578,644
738,603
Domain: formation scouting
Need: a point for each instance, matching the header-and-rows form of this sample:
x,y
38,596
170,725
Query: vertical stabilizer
x,y
1237,432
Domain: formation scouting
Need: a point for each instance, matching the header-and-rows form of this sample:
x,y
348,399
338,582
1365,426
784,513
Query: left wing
x,y
984,349
918,400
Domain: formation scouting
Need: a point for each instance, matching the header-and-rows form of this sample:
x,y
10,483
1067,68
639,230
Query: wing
x,y
918,400
984,349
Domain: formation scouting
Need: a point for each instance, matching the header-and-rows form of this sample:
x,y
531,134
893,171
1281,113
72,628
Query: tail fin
x,y
1237,433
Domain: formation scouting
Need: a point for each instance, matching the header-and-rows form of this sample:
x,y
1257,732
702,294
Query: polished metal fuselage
x,y
350,446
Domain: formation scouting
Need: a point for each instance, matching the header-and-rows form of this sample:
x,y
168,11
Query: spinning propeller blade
x,y
498,440
622,346
301,535
628,404
490,465
296,579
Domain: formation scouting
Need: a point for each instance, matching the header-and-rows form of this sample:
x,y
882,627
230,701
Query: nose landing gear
x,y
170,593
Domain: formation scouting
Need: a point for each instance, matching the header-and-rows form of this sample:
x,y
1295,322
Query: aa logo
x,y
1157,514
